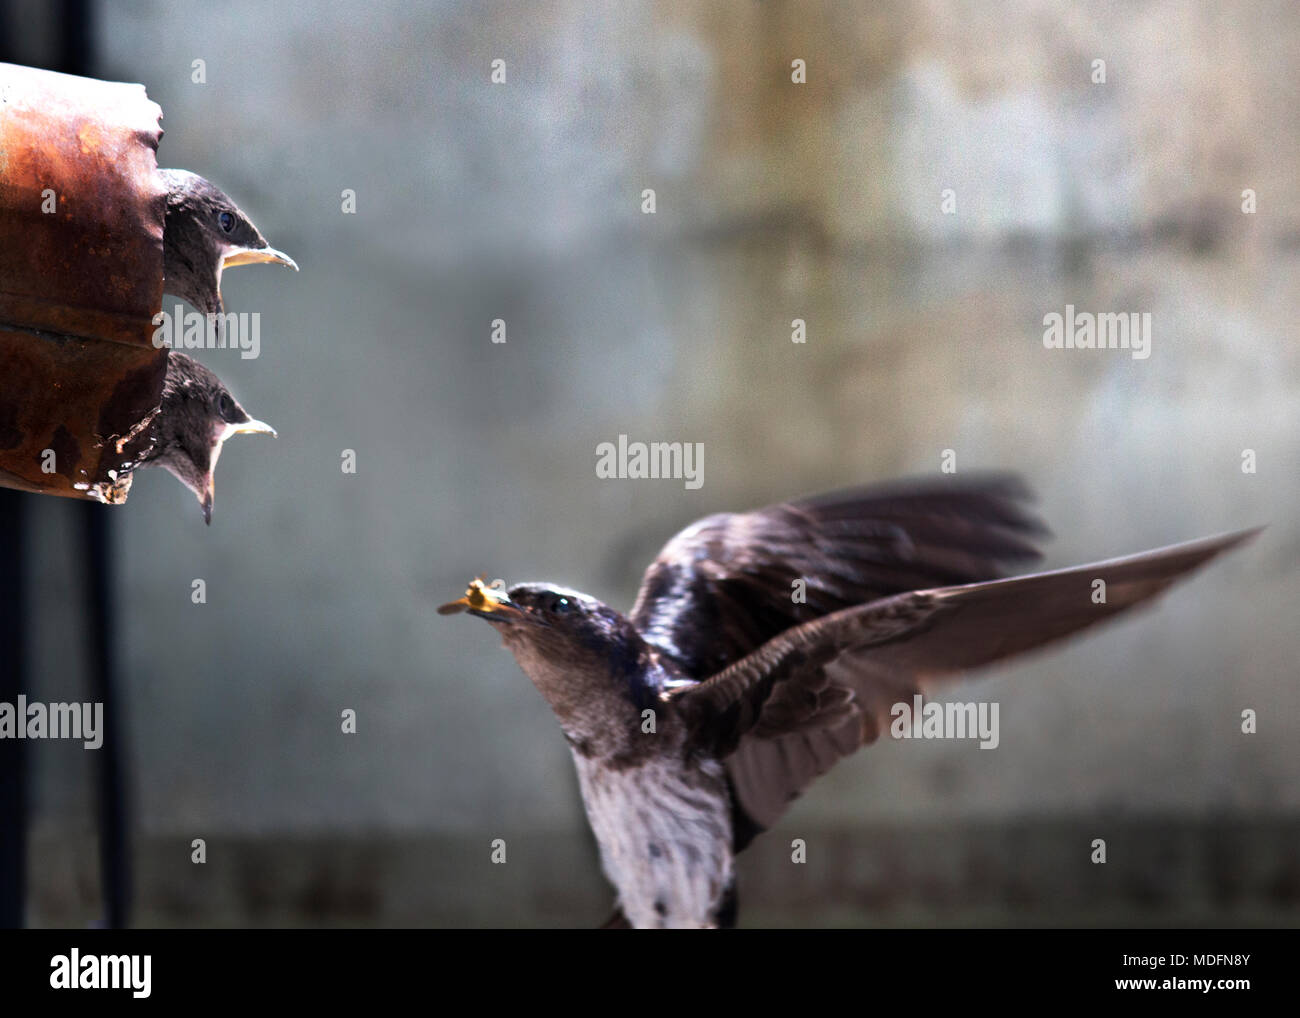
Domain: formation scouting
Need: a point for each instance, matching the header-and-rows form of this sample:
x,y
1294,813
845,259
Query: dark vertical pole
x,y
74,34
76,56
76,37
13,660
13,655
115,864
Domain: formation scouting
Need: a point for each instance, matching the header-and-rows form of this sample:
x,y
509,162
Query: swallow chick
x,y
204,233
195,417
764,646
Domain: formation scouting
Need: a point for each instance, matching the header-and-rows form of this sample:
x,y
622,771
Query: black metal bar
x,y
13,665
13,661
114,852
74,35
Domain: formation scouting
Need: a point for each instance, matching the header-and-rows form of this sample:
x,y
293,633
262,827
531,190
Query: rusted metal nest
x,y
83,210
79,285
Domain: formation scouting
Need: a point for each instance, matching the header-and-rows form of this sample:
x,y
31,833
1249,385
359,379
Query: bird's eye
x,y
226,407
561,605
227,221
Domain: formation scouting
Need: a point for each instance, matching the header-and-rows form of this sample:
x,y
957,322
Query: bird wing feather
x,y
723,587
785,713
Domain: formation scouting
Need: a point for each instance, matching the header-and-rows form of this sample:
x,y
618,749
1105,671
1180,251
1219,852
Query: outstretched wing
x,y
786,712
726,585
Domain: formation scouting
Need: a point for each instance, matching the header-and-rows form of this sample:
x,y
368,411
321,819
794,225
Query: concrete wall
x,y
775,201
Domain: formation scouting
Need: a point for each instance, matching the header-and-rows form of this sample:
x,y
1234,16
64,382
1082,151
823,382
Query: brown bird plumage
x,y
196,416
204,233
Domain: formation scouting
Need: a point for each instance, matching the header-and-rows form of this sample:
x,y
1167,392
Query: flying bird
x,y
695,719
195,417
204,233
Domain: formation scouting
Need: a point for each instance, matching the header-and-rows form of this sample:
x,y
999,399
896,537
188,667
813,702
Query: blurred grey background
x,y
775,201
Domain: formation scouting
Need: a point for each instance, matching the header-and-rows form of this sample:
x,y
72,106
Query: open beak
x,y
207,495
255,256
246,256
251,427
483,600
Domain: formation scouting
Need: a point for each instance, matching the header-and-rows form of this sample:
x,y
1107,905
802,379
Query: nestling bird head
x,y
206,232
196,416
584,657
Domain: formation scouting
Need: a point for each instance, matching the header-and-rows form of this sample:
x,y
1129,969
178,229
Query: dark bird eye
x,y
226,407
561,605
227,221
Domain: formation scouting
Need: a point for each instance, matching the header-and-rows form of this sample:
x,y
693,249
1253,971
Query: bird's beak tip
x,y
256,428
257,255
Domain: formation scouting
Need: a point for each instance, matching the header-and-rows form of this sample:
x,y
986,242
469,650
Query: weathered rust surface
x,y
79,286
74,413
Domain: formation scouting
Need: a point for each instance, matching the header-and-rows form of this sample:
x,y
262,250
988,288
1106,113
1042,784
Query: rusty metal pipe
x,y
82,208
